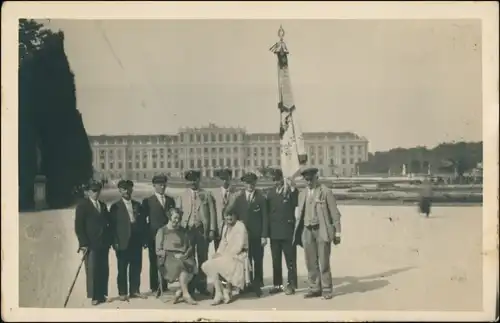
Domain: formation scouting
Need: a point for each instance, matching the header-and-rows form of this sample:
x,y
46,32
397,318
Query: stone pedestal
x,y
40,192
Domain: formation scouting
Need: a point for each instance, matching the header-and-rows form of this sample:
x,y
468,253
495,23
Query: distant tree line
x,y
48,119
455,158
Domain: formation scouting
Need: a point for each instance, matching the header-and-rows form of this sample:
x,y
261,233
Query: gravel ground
x,y
390,258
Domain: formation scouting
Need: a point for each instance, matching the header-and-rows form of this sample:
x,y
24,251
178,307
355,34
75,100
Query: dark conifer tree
x,y
48,115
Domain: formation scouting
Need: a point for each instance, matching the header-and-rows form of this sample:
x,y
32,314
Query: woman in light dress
x,y
176,257
229,267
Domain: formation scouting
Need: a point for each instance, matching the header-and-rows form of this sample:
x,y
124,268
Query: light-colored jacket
x,y
325,207
237,249
206,209
220,207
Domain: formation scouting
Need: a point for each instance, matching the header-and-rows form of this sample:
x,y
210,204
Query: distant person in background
x,y
317,227
92,228
199,218
130,232
222,197
250,207
176,256
425,197
156,209
281,203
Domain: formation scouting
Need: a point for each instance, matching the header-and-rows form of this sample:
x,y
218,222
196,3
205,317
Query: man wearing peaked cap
x,y
160,179
199,218
277,174
125,184
251,208
225,173
94,239
94,186
309,172
249,178
317,226
130,231
222,198
281,201
192,175
156,209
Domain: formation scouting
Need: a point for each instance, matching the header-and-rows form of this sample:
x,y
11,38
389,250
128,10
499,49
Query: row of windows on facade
x,y
214,164
221,150
237,173
199,138
185,137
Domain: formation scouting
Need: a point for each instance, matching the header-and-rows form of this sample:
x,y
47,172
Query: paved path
x,y
390,259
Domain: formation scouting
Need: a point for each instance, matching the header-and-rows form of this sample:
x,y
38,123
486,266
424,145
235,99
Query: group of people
x,y
178,232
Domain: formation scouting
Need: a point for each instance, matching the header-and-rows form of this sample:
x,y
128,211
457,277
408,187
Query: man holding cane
x,y
92,228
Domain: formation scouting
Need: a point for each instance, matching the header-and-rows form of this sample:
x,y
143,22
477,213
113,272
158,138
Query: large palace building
x,y
140,157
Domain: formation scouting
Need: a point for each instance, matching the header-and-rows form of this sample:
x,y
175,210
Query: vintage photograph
x,y
251,164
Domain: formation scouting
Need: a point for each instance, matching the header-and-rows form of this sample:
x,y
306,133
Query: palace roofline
x,y
307,135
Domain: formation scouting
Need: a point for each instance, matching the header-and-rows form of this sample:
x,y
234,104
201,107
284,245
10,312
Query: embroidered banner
x,y
293,154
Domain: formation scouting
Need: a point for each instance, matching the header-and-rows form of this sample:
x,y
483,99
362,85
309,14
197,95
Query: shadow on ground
x,y
348,284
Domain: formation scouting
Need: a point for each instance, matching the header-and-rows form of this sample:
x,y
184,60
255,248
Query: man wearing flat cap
x,y
130,234
92,228
317,227
156,210
250,207
222,197
199,218
281,201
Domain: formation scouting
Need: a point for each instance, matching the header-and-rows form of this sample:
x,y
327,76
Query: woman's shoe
x,y
217,300
190,300
227,296
177,296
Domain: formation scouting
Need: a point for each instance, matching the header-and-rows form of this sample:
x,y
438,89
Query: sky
x,y
399,83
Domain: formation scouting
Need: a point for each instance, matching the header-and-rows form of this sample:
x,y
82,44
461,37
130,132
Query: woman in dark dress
x,y
176,254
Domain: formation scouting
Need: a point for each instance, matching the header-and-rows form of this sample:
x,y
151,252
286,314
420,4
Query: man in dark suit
x,y
222,198
199,219
155,208
250,207
92,228
281,203
130,234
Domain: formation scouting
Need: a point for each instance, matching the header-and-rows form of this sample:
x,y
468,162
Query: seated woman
x,y
176,254
230,263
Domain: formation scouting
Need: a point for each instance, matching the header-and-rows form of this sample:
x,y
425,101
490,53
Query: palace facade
x,y
140,157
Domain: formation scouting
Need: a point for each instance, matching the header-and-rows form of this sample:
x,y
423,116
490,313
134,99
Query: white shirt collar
x,y
126,201
194,193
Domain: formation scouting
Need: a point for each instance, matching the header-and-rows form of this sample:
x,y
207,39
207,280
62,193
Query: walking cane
x,y
160,285
76,277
